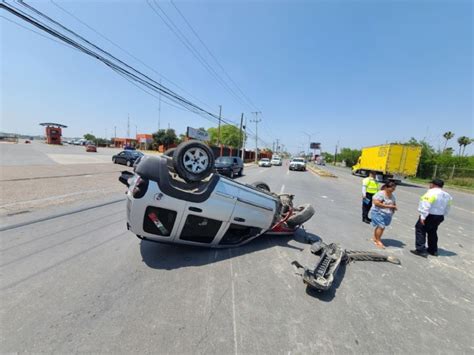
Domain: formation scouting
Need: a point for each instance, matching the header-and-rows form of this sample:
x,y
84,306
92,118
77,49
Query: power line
x,y
212,55
185,41
125,51
134,74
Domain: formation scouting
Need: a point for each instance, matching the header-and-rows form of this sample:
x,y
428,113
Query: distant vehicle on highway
x,y
127,157
91,148
27,141
276,160
129,147
298,164
229,166
265,162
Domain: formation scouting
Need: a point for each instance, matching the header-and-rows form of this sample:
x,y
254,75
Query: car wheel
x,y
261,185
302,214
231,175
129,163
193,161
114,161
241,172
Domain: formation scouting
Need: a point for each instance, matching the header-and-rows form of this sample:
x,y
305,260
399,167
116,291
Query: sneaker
x,y
435,253
366,220
419,253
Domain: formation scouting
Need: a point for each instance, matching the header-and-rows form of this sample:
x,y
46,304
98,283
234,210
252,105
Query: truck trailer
x,y
389,161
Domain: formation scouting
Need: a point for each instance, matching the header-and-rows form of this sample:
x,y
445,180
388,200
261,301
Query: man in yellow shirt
x,y
369,188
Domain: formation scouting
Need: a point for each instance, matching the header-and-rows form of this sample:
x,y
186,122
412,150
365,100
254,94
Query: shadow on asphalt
x,y
393,243
444,252
174,256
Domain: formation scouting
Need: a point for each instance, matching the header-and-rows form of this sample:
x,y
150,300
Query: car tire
x,y
261,185
241,172
193,161
169,152
114,161
302,214
129,163
231,175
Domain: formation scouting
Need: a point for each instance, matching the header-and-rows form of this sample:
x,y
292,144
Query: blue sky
x,y
354,72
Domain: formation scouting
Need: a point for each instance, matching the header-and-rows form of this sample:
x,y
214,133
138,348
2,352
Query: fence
x,y
454,175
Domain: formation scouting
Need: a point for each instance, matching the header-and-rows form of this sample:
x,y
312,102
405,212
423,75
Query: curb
x,y
321,172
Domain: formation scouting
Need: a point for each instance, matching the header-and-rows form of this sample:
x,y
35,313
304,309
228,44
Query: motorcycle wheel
x,y
302,214
261,185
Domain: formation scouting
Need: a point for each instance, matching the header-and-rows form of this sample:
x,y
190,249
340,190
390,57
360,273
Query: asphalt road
x,y
83,283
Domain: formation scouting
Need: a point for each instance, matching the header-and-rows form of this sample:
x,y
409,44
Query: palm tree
x,y
447,135
463,141
467,141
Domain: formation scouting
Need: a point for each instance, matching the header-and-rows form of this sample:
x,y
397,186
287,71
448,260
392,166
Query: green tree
x,y
89,137
350,156
463,141
230,135
165,137
447,135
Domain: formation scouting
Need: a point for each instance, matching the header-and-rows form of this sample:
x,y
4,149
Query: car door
x,y
235,165
123,158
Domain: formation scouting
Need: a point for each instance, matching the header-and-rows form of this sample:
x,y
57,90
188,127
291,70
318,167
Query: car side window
x,y
235,161
121,154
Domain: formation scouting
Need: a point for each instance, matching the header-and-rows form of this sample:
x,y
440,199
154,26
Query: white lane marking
x,y
324,196
282,189
233,302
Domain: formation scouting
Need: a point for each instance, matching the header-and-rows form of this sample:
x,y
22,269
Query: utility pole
x,y
159,109
273,148
256,120
115,133
219,127
241,124
136,131
335,154
277,145
128,126
244,139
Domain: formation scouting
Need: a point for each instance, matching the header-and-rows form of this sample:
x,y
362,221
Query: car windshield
x,y
225,160
136,154
264,159
298,160
275,158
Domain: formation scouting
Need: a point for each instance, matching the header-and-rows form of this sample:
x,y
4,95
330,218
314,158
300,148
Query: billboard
x,y
315,145
197,134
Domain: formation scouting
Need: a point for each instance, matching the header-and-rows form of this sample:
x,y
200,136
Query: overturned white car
x,y
176,198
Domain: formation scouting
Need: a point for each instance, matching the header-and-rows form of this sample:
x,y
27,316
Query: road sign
x,y
197,134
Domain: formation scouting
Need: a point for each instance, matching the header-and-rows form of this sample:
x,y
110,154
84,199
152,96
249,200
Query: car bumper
x,y
223,171
297,167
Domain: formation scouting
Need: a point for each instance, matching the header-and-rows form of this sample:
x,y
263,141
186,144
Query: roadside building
x,y
53,132
124,142
144,140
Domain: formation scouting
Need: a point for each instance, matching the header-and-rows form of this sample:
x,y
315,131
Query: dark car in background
x,y
229,166
127,157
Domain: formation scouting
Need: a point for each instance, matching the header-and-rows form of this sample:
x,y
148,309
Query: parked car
x,y
229,166
91,148
127,157
276,161
298,164
27,141
200,207
129,147
265,162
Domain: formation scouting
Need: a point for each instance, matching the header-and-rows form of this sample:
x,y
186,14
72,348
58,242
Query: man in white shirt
x,y
433,207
